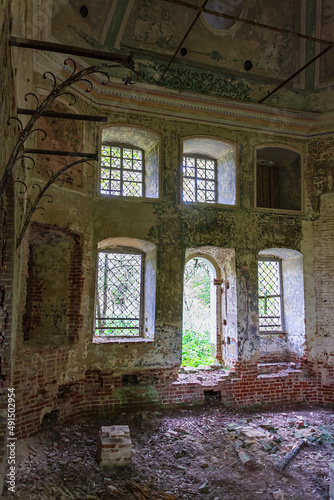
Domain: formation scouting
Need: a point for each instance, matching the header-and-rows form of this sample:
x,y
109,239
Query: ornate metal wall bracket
x,y
42,194
57,91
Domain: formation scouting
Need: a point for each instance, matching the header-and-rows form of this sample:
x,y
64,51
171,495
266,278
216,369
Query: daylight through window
x,y
122,171
199,179
119,294
270,295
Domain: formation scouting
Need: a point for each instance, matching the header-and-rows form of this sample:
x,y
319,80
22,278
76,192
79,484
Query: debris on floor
x,y
212,453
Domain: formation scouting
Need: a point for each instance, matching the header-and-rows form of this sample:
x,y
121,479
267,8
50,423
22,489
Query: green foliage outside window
x,y
196,315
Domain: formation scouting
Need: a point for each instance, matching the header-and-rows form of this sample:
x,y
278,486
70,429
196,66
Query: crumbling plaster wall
x,y
46,375
321,233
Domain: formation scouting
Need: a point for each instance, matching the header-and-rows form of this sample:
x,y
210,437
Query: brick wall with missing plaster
x,y
43,402
324,290
54,286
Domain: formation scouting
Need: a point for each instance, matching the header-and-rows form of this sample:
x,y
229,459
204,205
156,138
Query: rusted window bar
x,y
15,41
93,156
66,116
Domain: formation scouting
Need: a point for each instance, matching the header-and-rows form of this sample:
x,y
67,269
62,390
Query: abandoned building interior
x,y
143,137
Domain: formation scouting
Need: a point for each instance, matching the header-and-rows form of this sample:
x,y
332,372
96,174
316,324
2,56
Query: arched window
x,y
125,289
130,162
278,179
270,295
209,171
281,302
199,179
122,170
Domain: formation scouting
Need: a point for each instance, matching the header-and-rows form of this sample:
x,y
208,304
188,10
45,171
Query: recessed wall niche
x,y
278,178
54,284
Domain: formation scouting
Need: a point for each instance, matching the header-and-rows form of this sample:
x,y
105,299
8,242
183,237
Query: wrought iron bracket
x,y
42,194
57,91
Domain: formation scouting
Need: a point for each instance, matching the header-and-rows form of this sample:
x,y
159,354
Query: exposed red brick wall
x,y
324,292
41,286
96,393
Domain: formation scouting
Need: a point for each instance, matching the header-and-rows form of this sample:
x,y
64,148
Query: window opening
x,y
122,170
119,294
237,8
198,320
199,179
270,295
278,179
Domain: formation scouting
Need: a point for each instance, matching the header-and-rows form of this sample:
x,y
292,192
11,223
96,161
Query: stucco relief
x,y
153,26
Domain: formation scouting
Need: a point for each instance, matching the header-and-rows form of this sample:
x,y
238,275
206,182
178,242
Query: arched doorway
x,y
199,313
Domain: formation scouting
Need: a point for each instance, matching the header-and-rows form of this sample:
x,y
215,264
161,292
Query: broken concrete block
x,y
114,446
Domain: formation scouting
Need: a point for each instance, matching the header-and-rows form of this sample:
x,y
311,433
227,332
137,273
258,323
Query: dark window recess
x,y
270,295
267,186
212,397
129,380
278,179
122,170
50,418
119,294
199,179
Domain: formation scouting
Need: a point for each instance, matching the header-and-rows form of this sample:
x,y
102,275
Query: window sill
x,y
274,332
130,199
199,204
121,340
282,211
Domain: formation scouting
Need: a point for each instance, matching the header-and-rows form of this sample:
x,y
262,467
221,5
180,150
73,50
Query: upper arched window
x,y
209,171
279,179
122,170
199,179
130,162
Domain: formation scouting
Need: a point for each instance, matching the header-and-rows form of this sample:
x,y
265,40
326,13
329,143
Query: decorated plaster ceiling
x,y
219,57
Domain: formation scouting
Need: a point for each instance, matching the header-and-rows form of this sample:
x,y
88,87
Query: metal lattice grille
x,y
122,171
270,295
119,292
199,179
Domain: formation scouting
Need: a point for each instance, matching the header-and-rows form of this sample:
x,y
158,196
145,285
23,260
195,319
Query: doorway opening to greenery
x,y
199,313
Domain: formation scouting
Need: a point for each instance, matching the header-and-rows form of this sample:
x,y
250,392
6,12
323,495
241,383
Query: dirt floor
x,y
188,454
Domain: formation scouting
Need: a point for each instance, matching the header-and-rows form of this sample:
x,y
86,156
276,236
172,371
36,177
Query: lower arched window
x,y
125,289
119,293
281,302
270,295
